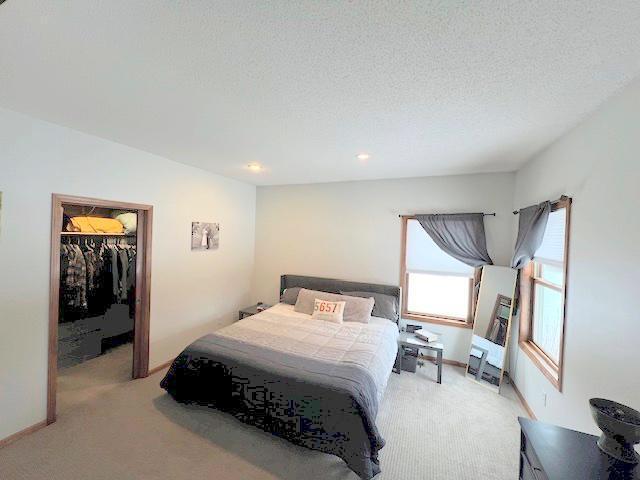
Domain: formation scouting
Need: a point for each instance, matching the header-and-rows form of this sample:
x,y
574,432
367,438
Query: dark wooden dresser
x,y
548,452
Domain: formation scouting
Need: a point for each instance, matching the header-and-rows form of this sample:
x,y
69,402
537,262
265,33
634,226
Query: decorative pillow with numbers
x,y
328,311
355,310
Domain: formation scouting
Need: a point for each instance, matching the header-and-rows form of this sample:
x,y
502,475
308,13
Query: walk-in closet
x,y
100,271
97,298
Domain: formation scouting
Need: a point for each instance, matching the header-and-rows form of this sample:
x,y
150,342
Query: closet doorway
x,y
136,288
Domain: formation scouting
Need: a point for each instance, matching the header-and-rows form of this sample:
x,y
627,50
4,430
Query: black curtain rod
x,y
485,214
562,198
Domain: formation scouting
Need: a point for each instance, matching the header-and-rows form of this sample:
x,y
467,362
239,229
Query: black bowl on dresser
x,y
620,427
549,452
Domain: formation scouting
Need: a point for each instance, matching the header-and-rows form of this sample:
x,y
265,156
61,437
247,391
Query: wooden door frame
x,y
143,287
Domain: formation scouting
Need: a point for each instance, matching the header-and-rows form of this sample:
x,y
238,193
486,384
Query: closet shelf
x,y
90,234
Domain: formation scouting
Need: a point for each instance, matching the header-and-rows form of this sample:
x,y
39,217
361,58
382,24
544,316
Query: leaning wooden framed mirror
x,y
492,325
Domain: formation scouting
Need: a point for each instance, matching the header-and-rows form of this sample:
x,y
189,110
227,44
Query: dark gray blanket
x,y
319,405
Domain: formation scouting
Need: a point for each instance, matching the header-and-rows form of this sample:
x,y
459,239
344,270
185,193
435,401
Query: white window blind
x,y
423,255
552,248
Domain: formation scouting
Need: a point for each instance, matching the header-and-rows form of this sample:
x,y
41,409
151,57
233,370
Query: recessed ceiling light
x,y
254,167
363,156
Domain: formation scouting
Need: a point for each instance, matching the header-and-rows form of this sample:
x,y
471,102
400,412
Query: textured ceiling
x,y
425,87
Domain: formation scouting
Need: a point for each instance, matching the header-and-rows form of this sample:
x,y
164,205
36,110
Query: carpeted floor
x,y
109,428
85,382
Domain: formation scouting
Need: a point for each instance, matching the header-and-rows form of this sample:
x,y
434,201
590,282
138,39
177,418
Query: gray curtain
x,y
531,226
460,235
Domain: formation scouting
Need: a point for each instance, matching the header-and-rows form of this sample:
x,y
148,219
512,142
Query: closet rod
x,y
91,234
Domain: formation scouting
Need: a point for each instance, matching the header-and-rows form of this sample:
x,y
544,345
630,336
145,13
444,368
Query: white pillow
x,y
328,311
129,220
357,309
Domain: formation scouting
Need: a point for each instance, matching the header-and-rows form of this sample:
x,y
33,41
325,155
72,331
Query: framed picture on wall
x,y
205,236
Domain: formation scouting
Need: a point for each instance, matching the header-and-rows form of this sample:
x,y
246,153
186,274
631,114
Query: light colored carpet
x,y
121,430
88,380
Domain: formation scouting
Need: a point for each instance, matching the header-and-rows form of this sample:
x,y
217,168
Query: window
x,y
436,287
543,287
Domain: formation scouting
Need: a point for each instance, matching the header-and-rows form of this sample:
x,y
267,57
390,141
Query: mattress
x,y
372,346
317,384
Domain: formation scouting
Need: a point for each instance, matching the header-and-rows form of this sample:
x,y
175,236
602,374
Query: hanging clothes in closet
x,y
97,296
95,274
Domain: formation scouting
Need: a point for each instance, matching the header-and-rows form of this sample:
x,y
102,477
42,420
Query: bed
x,y
314,383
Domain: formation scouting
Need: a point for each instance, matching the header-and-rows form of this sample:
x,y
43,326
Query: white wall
x,y
598,164
191,292
351,230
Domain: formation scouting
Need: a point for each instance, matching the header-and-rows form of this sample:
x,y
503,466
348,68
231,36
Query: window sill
x,y
437,320
552,373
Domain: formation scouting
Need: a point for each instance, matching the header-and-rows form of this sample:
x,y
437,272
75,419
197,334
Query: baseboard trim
x,y
22,433
524,403
455,363
445,361
160,367
34,428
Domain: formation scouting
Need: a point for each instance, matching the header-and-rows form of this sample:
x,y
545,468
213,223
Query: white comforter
x,y
372,346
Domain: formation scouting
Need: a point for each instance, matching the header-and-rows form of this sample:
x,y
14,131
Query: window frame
x,y
404,284
528,279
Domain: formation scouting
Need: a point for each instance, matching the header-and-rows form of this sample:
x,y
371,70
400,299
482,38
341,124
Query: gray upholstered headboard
x,y
332,285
